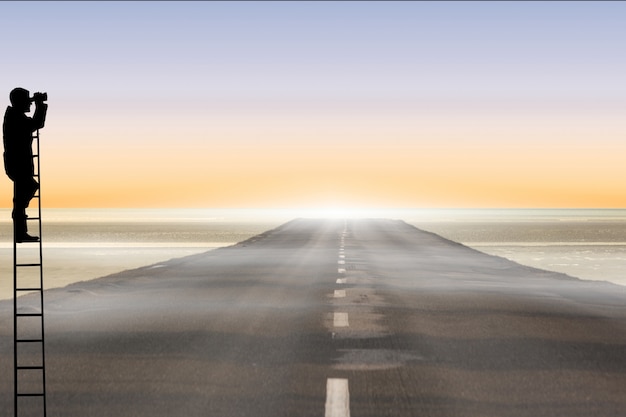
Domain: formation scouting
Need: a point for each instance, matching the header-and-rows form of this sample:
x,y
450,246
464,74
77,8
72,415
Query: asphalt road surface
x,y
367,318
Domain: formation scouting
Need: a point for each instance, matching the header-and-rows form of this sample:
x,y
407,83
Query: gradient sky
x,y
297,104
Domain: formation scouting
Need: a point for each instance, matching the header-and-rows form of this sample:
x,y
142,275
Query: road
x,y
317,318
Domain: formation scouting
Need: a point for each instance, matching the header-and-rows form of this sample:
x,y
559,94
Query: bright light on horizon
x,y
342,212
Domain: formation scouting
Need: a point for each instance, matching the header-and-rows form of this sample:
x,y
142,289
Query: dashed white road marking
x,y
342,280
341,262
341,255
337,398
341,270
340,293
340,319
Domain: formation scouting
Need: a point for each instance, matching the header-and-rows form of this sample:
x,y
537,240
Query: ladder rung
x,y
28,264
28,314
31,395
29,289
29,341
33,218
32,368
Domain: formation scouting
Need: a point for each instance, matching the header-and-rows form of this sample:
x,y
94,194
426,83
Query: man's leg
x,y
24,190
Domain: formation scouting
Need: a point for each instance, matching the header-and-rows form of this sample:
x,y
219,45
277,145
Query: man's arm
x,y
39,118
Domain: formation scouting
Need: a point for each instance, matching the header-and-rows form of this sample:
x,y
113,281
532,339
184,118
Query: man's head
x,y
20,99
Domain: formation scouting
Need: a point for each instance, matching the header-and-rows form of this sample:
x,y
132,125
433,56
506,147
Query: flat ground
x,y
414,324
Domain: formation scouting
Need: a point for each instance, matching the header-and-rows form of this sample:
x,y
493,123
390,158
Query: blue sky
x,y
340,47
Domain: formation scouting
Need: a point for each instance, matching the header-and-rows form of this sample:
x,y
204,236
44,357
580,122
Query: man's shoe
x,y
26,238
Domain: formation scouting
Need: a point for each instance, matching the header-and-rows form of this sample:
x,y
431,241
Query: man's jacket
x,y
17,133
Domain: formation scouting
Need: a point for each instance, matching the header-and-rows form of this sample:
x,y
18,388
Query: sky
x,y
323,104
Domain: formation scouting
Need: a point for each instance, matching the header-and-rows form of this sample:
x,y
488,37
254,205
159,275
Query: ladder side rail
x,y
41,293
15,338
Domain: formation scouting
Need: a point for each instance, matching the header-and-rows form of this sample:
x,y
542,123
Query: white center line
x,y
340,319
341,270
337,398
342,280
341,262
340,293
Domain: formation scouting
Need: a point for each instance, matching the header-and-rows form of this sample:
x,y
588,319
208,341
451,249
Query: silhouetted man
x,y
18,154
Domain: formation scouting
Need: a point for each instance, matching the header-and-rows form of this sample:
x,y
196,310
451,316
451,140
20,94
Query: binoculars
x,y
39,97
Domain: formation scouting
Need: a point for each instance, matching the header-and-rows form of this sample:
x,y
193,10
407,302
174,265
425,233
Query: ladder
x,y
28,313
